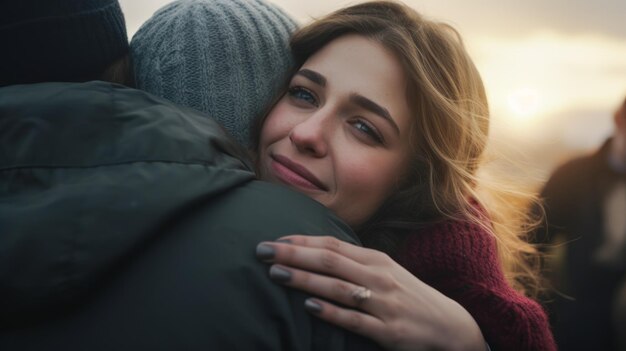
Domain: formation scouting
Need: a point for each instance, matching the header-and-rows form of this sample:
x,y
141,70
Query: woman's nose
x,y
311,135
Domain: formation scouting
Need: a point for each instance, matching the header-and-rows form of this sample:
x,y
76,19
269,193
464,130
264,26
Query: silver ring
x,y
361,294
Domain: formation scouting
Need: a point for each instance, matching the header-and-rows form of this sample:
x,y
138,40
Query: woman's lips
x,y
295,174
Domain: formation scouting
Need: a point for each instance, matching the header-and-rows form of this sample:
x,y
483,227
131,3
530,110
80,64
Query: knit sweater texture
x,y
460,260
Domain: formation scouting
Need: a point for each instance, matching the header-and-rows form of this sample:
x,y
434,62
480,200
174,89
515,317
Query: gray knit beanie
x,y
227,58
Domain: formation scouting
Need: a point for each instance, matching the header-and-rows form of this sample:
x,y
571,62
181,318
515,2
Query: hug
x,y
340,155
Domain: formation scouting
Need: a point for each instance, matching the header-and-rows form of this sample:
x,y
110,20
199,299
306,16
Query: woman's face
x,y
341,133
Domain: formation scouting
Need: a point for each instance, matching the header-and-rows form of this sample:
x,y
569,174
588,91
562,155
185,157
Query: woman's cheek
x,y
280,122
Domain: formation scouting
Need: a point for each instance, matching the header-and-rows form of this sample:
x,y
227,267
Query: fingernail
x,y
265,252
312,306
280,275
287,241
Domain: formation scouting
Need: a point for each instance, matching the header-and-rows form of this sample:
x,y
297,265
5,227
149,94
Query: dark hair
x,y
120,72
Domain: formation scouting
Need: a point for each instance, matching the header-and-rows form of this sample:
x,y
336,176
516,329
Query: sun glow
x,y
524,102
539,78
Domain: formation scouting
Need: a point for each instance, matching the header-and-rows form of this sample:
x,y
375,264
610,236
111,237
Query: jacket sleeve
x,y
460,260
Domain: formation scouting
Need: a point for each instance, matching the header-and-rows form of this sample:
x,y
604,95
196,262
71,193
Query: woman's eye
x,y
304,95
368,130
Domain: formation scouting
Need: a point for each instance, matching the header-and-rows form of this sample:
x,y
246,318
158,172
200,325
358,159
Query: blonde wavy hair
x,y
450,133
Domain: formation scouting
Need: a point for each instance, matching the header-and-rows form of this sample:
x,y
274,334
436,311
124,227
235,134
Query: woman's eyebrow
x,y
375,108
313,76
357,99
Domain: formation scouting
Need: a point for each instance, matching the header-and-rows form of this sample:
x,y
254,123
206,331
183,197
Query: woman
x,y
371,151
385,122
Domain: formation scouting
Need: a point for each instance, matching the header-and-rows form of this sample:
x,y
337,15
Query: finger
x,y
314,259
354,252
337,290
352,320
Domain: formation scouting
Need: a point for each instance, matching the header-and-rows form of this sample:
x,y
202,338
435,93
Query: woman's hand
x,y
376,297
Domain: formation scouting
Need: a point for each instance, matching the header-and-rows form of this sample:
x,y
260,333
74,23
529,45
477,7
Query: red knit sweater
x,y
460,260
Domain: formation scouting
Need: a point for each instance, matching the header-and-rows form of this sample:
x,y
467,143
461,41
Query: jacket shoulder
x,y
95,123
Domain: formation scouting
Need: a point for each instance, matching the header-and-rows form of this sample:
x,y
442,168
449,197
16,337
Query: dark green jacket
x,y
129,223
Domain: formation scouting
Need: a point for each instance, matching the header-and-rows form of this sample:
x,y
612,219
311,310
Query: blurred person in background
x,y
619,313
585,204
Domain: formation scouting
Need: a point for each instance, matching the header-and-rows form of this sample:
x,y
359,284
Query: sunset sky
x,y
554,70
